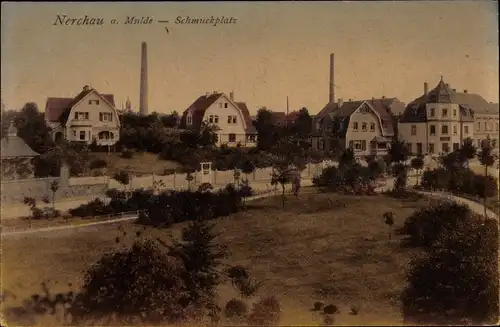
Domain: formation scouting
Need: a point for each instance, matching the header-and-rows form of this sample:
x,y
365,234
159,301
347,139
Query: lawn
x,y
321,247
140,163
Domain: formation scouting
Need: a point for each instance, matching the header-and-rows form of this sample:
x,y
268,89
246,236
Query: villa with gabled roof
x,y
88,117
230,119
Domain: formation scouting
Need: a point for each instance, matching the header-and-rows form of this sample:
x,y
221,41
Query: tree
x,y
123,178
54,186
347,158
302,125
201,256
265,125
32,128
247,167
31,203
399,153
487,159
457,279
468,150
282,175
141,285
189,179
170,120
417,163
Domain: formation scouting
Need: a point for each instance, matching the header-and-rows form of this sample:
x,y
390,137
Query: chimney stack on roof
x,y
426,88
231,96
465,91
143,93
86,88
331,98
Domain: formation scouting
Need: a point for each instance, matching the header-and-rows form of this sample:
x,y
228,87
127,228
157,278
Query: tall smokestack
x,y
332,79
143,96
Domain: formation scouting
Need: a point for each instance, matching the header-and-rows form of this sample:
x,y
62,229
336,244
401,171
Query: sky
x,y
274,50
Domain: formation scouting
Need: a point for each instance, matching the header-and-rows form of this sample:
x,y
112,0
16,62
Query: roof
x,y
12,146
55,107
250,129
200,105
339,116
469,104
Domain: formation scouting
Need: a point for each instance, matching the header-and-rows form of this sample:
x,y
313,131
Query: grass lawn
x,y
321,247
140,163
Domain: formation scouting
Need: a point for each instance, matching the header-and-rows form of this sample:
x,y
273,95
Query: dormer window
x,y
189,119
355,127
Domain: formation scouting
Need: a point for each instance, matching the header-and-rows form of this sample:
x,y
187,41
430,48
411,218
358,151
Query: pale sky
x,y
273,51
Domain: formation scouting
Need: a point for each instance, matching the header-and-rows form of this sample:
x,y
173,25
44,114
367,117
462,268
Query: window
x,y
363,145
82,135
211,119
445,112
485,126
232,137
364,127
490,126
431,147
433,112
445,147
251,138
225,105
234,119
355,127
466,129
432,130
478,126
444,129
94,102
216,119
413,129
455,132
105,116
189,119
409,146
454,113
81,115
372,127
229,119
357,145
456,146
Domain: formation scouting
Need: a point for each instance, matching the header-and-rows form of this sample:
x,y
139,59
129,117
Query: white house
x,y
88,117
231,120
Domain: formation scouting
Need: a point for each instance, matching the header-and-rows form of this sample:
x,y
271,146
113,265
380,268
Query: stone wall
x,y
14,191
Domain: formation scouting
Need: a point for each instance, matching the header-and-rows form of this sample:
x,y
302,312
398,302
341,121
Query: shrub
x,y
235,309
204,187
138,284
457,281
37,213
98,163
94,208
114,193
426,224
266,312
127,154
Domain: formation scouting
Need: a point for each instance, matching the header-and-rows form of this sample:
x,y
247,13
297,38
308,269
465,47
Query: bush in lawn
x,y
37,213
127,154
426,224
266,312
98,163
114,193
457,281
236,310
138,285
245,189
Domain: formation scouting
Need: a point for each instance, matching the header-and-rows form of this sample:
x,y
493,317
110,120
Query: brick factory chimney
x,y
143,96
331,98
